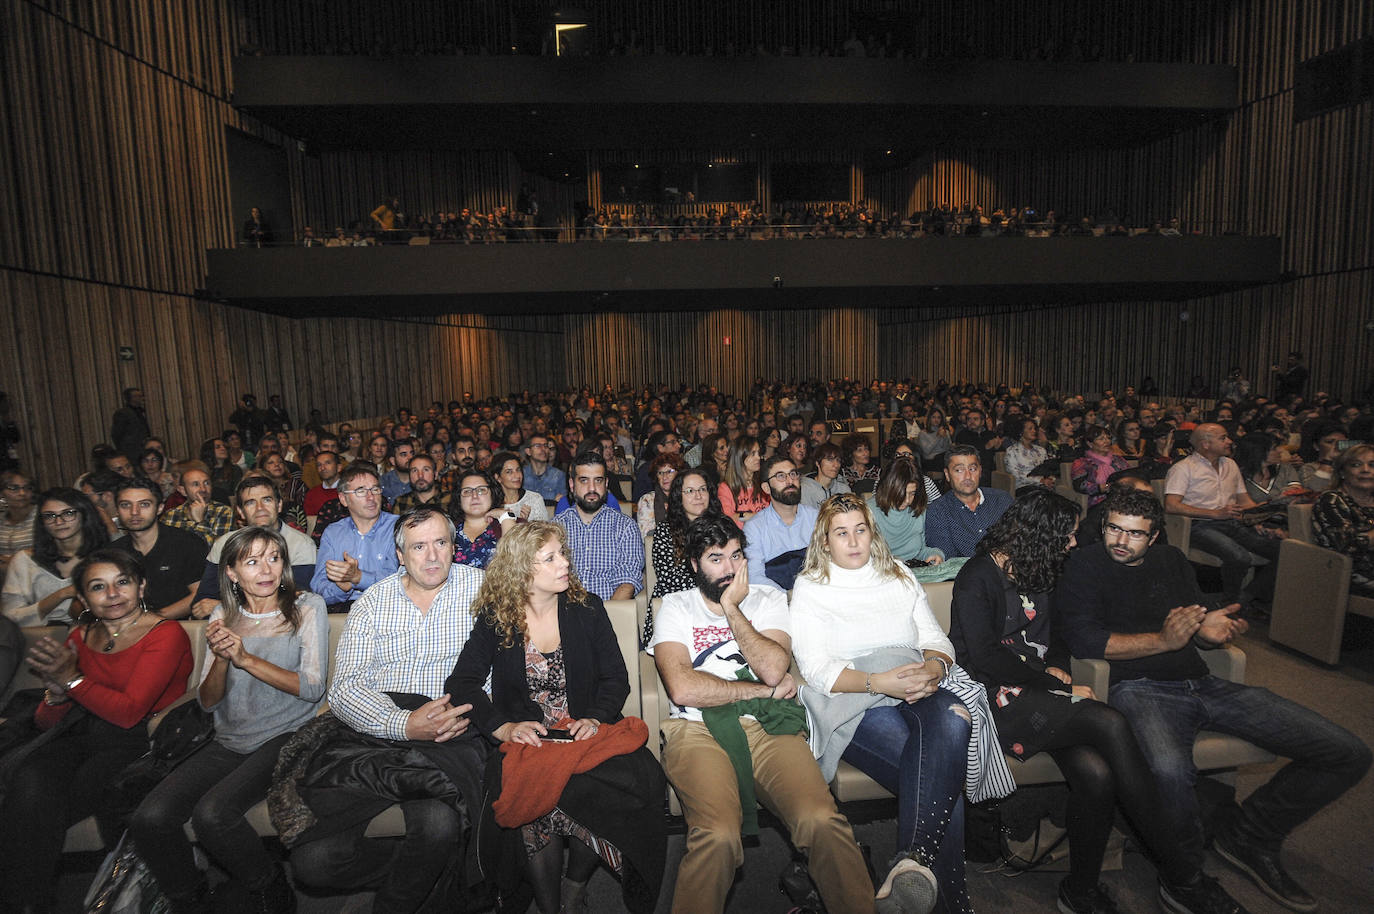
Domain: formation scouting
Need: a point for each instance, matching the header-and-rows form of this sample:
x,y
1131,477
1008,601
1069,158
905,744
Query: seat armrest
x,y
1094,673
1226,662
651,701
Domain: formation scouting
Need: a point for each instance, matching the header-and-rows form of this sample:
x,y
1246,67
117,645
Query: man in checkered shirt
x,y
401,642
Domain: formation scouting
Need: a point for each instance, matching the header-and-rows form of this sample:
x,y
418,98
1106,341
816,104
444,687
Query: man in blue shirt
x,y
779,534
607,549
396,481
540,474
357,551
957,521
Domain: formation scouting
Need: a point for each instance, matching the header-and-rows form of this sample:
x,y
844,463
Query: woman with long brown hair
x,y
264,678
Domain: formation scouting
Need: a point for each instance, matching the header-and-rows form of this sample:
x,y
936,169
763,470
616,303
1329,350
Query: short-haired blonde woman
x,y
555,667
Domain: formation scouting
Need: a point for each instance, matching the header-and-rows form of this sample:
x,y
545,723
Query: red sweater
x,y
126,686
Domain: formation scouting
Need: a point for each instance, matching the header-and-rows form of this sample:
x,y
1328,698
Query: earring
x,y
237,591
282,587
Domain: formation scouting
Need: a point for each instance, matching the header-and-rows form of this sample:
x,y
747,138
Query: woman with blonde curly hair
x,y
558,681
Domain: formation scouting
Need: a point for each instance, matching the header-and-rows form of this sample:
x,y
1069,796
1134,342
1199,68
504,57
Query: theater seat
x,y
1312,593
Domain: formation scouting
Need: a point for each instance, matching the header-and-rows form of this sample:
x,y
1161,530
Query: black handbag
x,y
185,730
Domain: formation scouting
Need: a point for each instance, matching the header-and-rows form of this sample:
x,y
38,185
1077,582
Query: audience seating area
x,y
649,700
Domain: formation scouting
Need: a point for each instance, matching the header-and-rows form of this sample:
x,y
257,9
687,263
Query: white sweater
x,y
855,613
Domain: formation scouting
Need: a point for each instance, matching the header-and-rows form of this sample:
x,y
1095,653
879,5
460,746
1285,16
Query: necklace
x,y
258,618
109,645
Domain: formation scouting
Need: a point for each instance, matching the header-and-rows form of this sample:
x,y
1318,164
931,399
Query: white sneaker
x,y
908,889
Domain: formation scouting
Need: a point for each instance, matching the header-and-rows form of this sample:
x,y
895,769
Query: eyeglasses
x,y
364,491
789,476
474,490
17,487
49,517
1133,535
665,473
696,490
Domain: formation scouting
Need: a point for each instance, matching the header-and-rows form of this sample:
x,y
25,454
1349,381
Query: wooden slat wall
x,y
114,182
688,347
1307,182
193,359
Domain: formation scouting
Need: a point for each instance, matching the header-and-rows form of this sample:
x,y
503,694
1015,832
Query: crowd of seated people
x,y
408,516
729,222
389,224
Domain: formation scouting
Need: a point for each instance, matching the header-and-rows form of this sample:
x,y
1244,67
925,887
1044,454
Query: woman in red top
x,y
113,671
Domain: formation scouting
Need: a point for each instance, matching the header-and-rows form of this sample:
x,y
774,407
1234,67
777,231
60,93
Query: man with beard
x,y
396,481
172,559
424,490
725,646
1137,604
779,534
464,462
401,642
606,546
257,503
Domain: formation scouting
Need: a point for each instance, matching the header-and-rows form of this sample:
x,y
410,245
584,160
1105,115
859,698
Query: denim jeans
x,y
1326,759
1238,547
920,753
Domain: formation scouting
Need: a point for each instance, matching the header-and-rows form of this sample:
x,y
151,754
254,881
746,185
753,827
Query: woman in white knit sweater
x,y
861,624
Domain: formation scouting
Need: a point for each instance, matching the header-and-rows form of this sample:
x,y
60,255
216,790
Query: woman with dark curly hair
x,y
1001,627
860,469
556,671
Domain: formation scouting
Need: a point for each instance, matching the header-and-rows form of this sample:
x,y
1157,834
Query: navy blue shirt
x,y
955,530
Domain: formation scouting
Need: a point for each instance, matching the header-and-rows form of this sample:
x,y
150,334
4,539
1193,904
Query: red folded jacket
x,y
533,777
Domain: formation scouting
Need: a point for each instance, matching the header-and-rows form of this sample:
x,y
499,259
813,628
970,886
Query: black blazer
x,y
597,682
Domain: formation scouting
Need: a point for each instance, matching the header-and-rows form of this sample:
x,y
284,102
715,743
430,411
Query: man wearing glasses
x,y
540,474
358,550
1137,604
779,534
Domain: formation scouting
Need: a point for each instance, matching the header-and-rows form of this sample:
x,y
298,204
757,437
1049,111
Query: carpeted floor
x,y
1333,855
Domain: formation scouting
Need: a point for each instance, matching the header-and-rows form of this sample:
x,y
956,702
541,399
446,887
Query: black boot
x,y
277,897
197,902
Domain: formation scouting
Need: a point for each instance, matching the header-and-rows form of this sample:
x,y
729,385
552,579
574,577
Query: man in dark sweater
x,y
1137,604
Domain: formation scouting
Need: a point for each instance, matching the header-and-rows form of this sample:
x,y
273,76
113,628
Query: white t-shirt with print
x,y
685,618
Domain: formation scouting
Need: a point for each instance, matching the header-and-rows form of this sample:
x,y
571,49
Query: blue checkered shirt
x,y
388,645
607,552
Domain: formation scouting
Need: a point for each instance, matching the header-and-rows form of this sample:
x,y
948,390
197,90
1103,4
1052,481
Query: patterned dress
x,y
548,684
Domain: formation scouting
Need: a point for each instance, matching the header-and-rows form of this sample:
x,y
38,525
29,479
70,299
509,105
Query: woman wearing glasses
x,y
653,506
479,520
38,587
